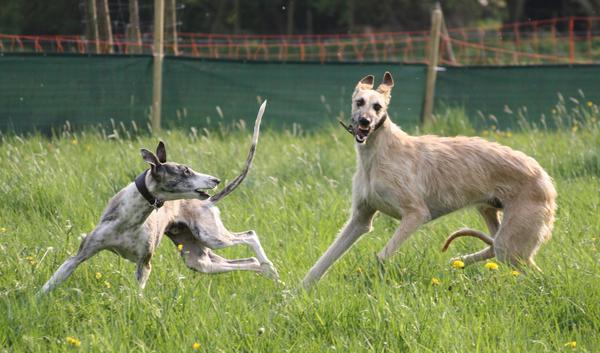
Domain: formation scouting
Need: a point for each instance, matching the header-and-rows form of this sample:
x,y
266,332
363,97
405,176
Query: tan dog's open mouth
x,y
361,133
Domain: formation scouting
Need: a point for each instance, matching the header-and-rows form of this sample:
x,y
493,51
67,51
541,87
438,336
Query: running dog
x,y
420,178
169,199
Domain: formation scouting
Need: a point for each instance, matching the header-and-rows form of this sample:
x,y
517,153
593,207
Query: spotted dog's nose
x,y
216,181
364,121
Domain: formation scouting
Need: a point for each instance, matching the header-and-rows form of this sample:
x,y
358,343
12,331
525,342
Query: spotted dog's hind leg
x,y
250,239
88,248
208,262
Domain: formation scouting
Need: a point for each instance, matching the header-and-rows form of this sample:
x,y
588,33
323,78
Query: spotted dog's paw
x,y
269,271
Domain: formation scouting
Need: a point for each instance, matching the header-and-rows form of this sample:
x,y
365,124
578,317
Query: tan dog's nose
x,y
364,122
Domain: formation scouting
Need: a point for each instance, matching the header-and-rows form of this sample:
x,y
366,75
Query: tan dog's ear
x,y
385,87
365,83
387,84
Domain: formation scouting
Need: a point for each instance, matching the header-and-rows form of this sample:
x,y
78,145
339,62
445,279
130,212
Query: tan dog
x,y
420,178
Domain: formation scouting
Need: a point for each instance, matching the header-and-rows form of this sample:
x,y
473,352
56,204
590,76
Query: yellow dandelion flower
x,y
107,284
74,141
458,264
179,247
29,258
196,346
574,128
73,341
492,266
508,134
435,282
571,344
359,270
98,275
2,230
515,273
590,104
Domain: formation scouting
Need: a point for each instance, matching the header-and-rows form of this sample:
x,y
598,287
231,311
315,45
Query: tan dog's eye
x,y
360,102
377,107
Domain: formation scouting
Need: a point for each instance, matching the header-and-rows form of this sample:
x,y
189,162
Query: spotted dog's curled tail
x,y
237,181
468,232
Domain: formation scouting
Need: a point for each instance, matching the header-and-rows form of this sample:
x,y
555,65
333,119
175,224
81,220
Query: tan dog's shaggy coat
x,y
420,178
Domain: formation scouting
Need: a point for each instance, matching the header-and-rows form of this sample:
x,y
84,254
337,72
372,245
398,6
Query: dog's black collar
x,y
350,129
140,184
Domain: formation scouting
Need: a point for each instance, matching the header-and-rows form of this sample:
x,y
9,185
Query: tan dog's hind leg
x,y
490,215
521,234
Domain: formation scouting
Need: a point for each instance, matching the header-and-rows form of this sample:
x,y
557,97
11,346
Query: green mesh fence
x,y
43,91
507,96
306,94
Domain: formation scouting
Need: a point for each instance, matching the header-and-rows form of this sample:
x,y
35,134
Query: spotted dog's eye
x,y
187,171
360,102
377,107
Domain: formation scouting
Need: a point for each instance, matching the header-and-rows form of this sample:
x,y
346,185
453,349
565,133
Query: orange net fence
x,y
574,40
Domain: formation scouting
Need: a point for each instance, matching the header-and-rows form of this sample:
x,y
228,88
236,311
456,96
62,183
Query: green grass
x,y
296,197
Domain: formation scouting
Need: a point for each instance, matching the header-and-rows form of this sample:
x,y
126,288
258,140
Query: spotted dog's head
x,y
369,106
174,181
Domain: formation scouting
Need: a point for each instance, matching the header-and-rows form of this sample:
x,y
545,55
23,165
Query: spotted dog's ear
x,y
161,152
385,87
365,83
150,158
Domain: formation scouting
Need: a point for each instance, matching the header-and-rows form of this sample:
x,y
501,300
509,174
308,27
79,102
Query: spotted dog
x,y
169,198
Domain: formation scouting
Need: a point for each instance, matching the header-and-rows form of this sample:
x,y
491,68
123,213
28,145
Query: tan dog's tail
x,y
237,181
468,232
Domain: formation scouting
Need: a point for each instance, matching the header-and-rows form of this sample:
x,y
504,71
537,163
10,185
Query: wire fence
x,y
572,40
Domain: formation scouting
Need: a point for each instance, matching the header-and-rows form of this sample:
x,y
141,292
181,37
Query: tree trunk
x,y
134,35
237,25
171,27
290,16
105,27
217,25
350,15
516,9
91,25
309,21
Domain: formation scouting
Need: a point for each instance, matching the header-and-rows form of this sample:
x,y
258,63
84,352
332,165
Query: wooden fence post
x,y
157,54
434,48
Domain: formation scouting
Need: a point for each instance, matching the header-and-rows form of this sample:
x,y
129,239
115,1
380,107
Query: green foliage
x,y
296,197
452,122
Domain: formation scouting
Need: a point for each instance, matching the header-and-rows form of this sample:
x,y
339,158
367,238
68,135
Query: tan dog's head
x,y
369,106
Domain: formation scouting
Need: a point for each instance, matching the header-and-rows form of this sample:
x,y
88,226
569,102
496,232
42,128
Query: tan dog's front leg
x,y
359,224
410,223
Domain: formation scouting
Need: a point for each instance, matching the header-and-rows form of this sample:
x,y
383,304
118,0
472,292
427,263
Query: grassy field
x,y
296,197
